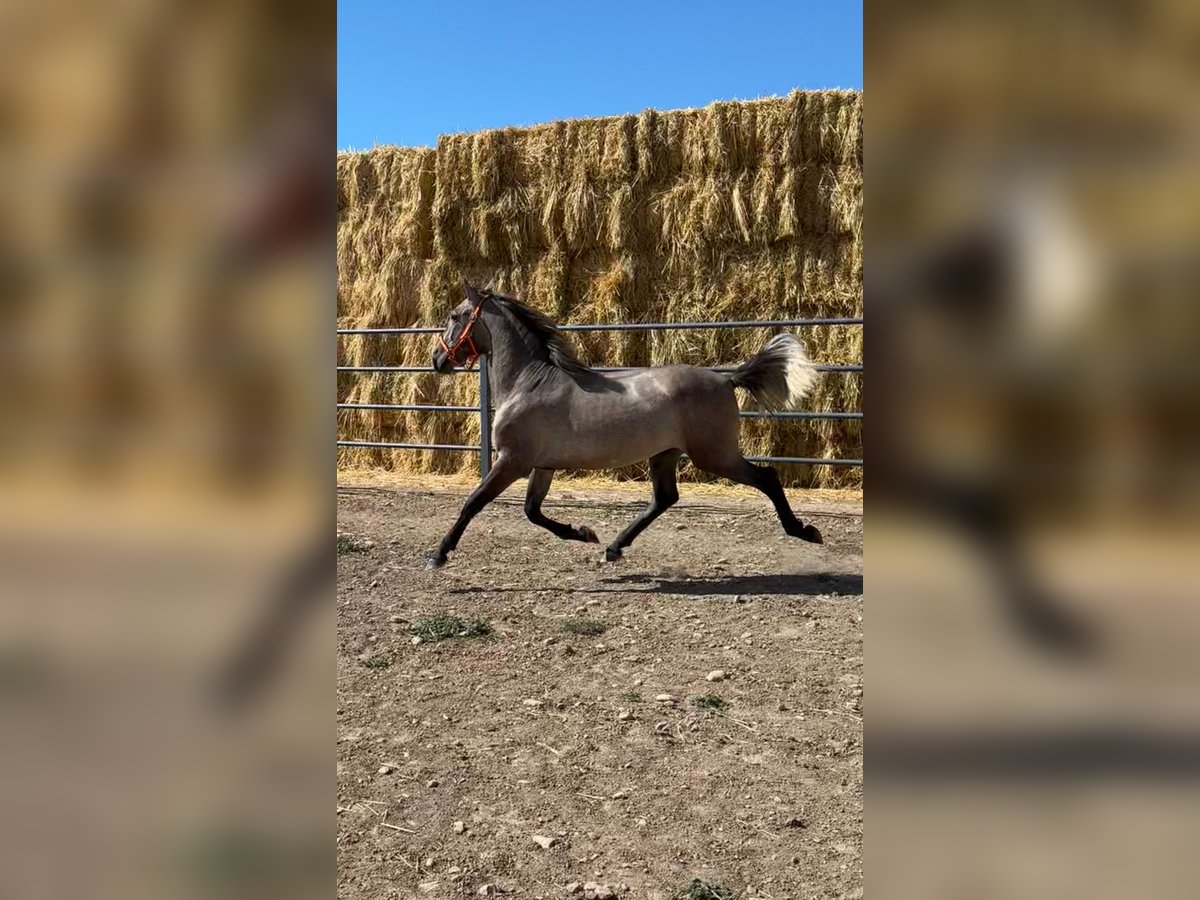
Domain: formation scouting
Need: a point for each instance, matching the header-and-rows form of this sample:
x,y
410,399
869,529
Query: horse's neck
x,y
508,359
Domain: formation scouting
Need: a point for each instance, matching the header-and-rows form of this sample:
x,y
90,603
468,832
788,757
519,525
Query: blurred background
x,y
1032,252
166,293
166,289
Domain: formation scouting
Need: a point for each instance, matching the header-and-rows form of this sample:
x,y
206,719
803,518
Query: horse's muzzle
x,y
441,362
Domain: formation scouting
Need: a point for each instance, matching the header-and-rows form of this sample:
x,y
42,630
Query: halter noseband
x,y
464,337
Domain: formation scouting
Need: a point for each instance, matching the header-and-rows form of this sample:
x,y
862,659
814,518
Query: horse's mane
x,y
542,335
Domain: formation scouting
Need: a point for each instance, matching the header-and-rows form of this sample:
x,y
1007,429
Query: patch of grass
x,y
377,662
348,543
631,697
703,890
236,861
442,628
584,626
710,702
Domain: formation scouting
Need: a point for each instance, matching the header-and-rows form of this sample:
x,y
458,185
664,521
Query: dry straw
x,y
740,210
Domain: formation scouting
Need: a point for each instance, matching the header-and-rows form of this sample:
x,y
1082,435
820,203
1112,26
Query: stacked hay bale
x,y
740,210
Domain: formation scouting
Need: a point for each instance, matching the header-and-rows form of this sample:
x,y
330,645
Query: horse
x,y
553,412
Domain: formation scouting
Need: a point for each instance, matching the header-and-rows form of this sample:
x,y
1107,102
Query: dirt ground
x,y
534,731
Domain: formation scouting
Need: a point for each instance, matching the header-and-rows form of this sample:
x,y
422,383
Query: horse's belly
x,y
610,444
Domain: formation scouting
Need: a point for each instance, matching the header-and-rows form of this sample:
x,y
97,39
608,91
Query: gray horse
x,y
553,412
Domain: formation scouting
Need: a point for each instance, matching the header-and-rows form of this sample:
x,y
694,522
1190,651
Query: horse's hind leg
x,y
766,479
666,494
539,484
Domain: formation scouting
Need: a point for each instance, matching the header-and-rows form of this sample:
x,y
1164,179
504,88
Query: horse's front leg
x,y
503,473
539,485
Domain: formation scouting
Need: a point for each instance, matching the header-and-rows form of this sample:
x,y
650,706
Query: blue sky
x,y
409,71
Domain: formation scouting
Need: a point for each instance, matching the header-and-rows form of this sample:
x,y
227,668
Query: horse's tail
x,y
779,375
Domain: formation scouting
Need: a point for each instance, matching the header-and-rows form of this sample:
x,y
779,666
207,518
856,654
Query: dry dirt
x,y
536,731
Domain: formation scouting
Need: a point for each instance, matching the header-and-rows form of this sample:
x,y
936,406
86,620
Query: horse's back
x,y
687,390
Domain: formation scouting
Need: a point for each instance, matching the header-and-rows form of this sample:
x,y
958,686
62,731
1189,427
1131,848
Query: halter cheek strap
x,y
464,337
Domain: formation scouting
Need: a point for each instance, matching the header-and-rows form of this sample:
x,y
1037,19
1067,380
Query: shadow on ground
x,y
809,584
716,585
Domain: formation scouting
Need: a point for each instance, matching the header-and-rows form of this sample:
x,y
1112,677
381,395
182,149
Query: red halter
x,y
464,337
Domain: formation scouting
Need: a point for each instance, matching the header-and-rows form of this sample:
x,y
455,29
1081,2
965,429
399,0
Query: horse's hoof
x,y
612,554
435,562
586,534
809,533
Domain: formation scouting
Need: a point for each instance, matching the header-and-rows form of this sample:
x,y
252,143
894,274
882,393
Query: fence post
x,y
485,419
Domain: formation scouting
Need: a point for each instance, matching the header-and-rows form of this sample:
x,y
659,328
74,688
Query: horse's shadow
x,y
806,584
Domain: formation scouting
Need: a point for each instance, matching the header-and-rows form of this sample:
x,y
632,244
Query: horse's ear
x,y
471,293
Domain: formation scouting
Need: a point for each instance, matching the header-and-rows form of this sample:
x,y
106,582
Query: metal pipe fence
x,y
484,410
820,367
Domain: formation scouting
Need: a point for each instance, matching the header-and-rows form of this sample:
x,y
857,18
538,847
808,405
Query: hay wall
x,y
740,210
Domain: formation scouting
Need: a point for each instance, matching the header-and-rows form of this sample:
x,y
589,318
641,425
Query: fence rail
x,y
749,414
409,370
484,410
635,326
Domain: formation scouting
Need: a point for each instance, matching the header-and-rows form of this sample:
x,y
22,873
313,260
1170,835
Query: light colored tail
x,y
779,376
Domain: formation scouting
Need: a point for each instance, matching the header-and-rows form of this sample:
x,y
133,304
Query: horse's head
x,y
466,338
